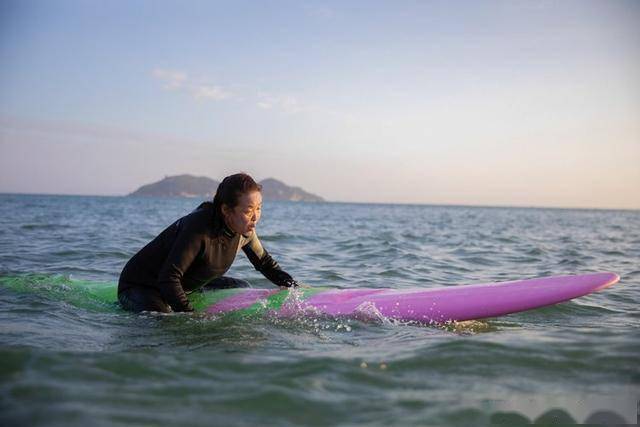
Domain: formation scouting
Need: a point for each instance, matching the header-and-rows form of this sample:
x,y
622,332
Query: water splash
x,y
368,312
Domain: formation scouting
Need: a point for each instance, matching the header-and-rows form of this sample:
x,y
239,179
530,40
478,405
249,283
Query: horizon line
x,y
453,205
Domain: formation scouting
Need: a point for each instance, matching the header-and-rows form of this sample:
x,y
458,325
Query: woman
x,y
199,248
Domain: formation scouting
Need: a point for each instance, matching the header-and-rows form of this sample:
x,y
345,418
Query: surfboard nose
x,y
608,278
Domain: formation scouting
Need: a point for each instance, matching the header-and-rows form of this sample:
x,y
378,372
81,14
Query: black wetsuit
x,y
189,254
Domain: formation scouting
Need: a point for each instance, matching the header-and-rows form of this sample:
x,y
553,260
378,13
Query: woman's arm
x,y
186,248
265,264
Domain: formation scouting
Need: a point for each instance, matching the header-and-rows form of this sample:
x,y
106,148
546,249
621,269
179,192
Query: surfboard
x,y
439,304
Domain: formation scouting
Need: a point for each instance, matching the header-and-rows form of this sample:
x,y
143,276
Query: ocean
x,y
67,360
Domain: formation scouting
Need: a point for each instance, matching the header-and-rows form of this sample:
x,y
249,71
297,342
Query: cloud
x,y
181,81
287,103
172,79
210,92
178,80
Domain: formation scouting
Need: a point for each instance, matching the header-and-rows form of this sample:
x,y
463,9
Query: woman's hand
x,y
294,284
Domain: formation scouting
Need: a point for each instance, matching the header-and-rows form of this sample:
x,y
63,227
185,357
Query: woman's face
x,y
244,217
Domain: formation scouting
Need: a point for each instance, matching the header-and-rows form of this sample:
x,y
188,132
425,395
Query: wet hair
x,y
230,190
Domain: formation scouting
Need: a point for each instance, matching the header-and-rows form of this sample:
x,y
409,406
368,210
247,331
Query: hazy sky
x,y
532,103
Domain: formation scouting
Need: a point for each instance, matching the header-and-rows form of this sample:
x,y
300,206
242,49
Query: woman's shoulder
x,y
208,205
200,220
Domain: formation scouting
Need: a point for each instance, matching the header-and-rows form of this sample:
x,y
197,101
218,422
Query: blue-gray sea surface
x,y
62,364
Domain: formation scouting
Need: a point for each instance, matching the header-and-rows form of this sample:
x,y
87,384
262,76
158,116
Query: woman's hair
x,y
230,190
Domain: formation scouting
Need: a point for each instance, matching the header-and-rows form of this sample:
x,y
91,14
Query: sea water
x,y
68,361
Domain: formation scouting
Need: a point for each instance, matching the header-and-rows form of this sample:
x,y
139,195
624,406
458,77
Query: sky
x,y
516,103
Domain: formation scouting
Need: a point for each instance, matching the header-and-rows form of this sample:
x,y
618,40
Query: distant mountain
x,y
272,189
203,187
179,186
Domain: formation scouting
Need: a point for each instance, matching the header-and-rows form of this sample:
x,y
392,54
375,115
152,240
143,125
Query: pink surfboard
x,y
438,304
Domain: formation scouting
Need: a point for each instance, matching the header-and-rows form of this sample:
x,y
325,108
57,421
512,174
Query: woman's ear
x,y
225,209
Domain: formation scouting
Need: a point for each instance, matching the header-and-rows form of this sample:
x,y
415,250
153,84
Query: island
x,y
205,187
